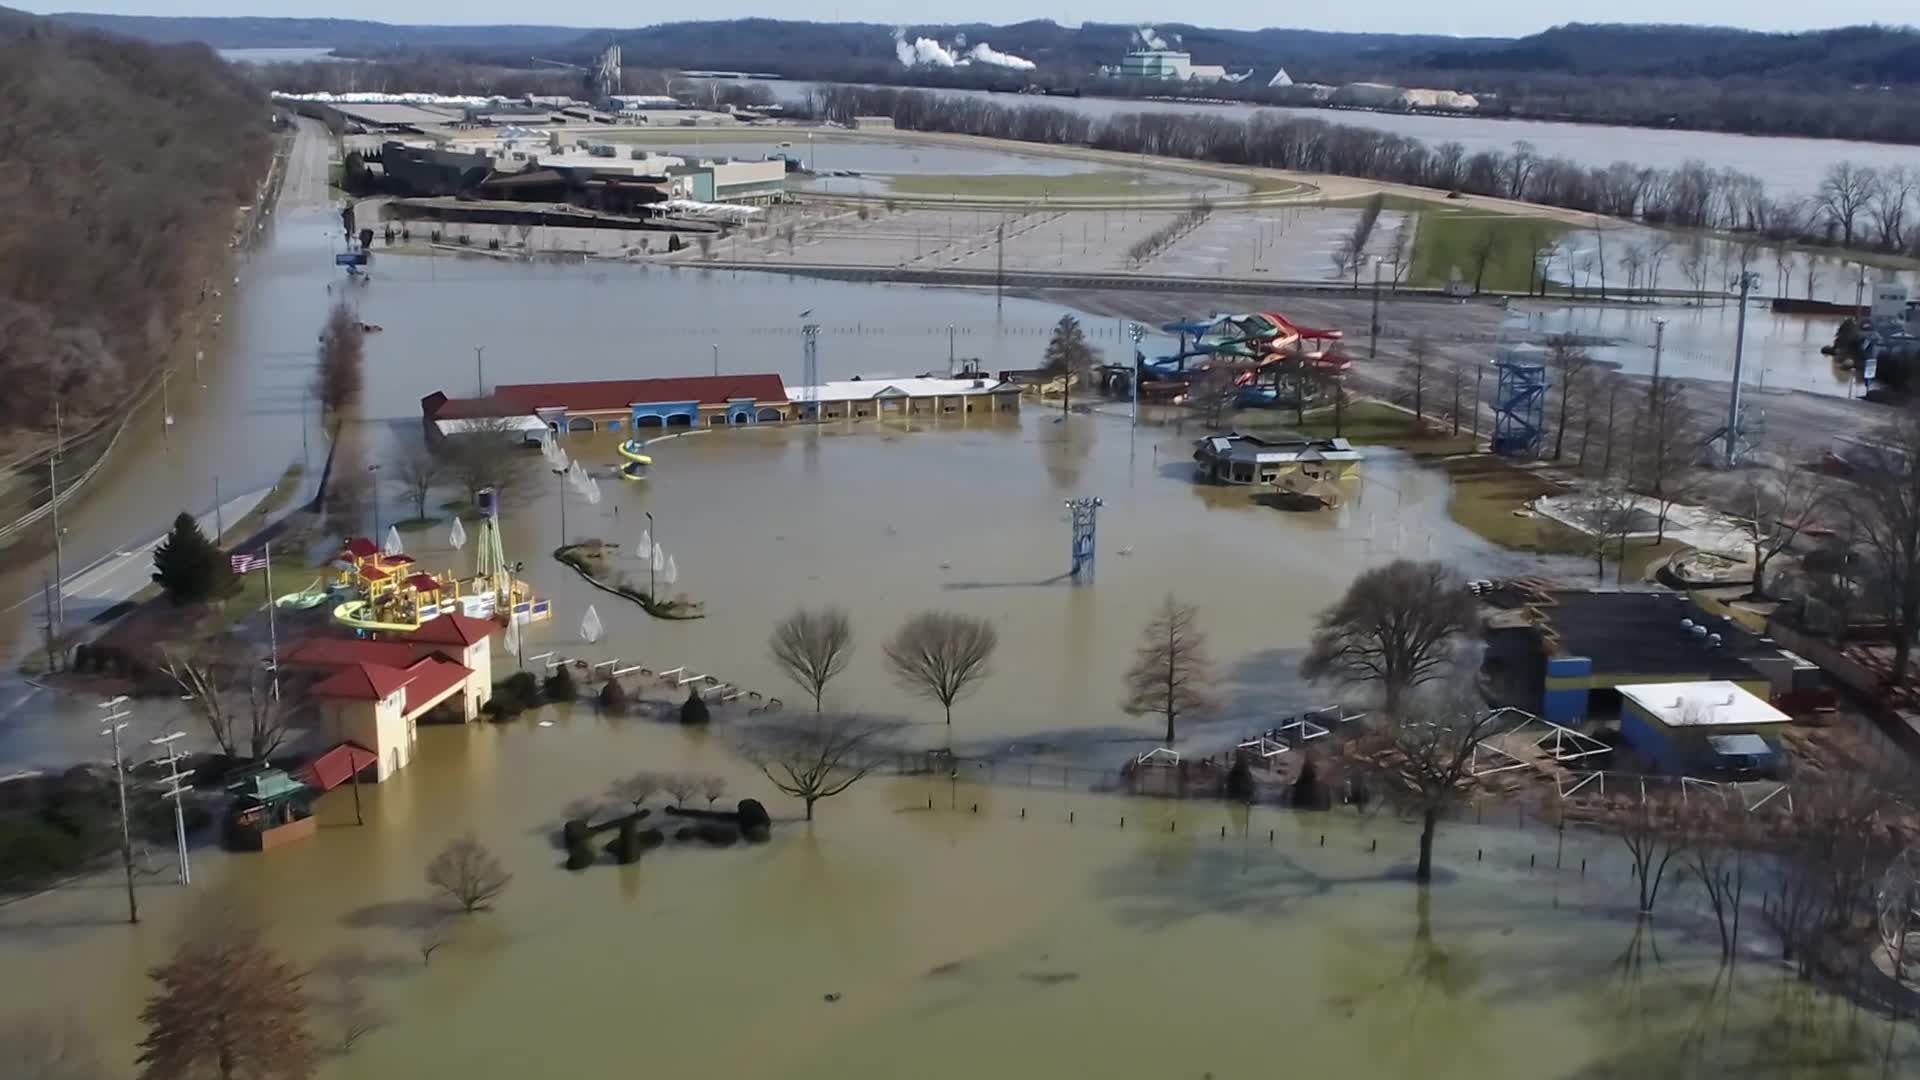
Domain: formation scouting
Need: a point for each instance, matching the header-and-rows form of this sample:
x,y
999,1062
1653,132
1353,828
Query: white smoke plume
x,y
1150,39
926,52
987,54
921,52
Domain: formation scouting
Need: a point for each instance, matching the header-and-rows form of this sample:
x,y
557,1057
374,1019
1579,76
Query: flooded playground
x,y
923,925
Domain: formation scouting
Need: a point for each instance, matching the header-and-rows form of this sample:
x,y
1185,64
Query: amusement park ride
x,y
1269,355
388,592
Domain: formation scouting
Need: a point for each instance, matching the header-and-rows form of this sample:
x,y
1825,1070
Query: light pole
x,y
1659,342
949,349
651,583
374,482
479,371
1138,333
117,716
716,358
53,503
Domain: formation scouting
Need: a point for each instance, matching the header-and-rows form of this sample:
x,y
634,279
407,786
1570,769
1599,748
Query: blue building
x,y
1701,728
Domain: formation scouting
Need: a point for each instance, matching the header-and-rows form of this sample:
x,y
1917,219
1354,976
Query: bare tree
x,y
712,787
1668,445
488,452
635,789
812,647
819,756
942,656
1415,376
249,730
343,999
1893,202
1570,364
1884,511
1212,395
1398,625
468,873
226,1006
418,469
1649,824
1611,514
1844,193
1717,835
1171,670
1423,760
1483,250
430,929
681,786
1774,507
1458,378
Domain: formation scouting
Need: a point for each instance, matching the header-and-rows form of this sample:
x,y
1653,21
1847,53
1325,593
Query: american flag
x,y
243,563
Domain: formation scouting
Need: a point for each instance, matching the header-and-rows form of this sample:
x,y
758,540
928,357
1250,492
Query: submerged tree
x,y
1171,670
1884,511
812,647
1398,625
187,565
941,655
1068,355
418,469
819,756
342,354
468,873
226,1007
1423,760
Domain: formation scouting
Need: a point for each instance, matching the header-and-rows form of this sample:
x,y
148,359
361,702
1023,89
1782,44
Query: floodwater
x,y
1790,166
906,932
953,942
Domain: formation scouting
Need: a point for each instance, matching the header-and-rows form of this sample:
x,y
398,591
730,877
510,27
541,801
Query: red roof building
x,y
334,652
336,766
361,681
360,547
610,403
455,629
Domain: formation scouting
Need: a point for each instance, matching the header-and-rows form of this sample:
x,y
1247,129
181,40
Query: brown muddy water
x,y
960,943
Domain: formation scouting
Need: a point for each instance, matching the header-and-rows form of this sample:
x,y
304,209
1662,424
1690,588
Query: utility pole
x,y
273,627
479,371
1479,378
999,266
176,791
1373,327
219,523
1748,280
117,717
652,585
166,410
949,350
716,358
53,502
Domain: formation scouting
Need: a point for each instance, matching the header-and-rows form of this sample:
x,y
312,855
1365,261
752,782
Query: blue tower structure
x,y
1519,406
1084,513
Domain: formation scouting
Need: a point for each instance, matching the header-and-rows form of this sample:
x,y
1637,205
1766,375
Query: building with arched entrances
x,y
617,405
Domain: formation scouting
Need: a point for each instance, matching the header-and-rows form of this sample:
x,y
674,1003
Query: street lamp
x,y
651,584
375,482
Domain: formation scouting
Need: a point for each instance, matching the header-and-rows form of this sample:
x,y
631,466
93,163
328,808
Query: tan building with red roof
x,y
375,693
620,405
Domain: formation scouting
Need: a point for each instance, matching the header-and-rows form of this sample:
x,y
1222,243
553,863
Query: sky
x,y
1501,18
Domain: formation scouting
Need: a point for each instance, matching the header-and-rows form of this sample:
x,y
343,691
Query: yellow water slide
x,y
357,614
637,462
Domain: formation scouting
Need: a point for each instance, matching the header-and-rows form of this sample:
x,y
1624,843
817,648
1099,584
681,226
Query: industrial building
x,y
1234,458
1567,654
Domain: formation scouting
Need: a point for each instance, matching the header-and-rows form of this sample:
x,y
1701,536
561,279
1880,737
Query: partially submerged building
x,y
1234,458
864,399
1694,728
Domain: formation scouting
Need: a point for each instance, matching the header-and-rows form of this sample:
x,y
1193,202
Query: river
x,y
1789,166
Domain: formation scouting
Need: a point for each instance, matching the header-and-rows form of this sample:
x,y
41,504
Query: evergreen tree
x,y
187,565
1067,350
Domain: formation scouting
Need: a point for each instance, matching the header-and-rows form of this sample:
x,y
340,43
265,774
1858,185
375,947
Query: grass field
x,y
1448,240
1112,183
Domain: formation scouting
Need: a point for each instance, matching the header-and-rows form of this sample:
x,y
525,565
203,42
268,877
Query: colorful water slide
x,y
357,614
637,462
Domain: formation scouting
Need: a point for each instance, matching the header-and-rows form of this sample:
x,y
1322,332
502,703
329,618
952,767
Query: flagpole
x,y
273,630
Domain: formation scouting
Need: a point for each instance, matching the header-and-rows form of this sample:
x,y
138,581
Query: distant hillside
x,y
1873,55
277,33
126,163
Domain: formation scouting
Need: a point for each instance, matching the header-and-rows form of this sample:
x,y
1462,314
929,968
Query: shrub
x,y
520,690
1240,780
694,709
626,846
754,823
579,842
560,685
613,698
1307,793
673,243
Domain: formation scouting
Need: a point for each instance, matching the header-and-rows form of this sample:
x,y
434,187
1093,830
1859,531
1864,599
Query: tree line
x,y
1854,206
126,163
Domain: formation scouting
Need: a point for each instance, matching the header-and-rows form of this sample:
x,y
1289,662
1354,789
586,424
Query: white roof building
x,y
1702,705
917,387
